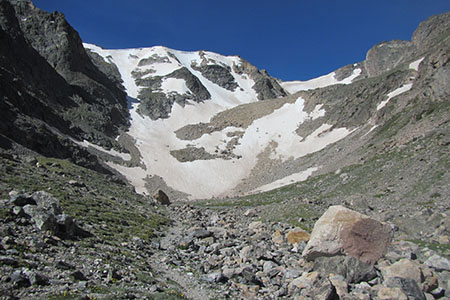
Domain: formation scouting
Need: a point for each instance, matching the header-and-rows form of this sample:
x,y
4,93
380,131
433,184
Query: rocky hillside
x,y
332,188
51,91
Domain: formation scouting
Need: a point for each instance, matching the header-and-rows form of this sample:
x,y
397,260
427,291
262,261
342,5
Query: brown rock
x,y
341,231
296,236
162,198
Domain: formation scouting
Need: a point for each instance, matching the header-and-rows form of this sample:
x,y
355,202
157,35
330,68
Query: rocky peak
x,y
433,31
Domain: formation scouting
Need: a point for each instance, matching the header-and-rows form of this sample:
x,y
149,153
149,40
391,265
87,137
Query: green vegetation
x,y
112,208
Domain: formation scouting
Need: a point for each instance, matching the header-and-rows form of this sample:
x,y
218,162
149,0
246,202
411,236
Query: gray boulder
x,y
162,198
48,215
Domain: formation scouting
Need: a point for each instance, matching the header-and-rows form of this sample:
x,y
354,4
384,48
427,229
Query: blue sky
x,y
291,39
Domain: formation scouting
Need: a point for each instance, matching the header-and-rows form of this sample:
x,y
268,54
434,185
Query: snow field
x,y
211,178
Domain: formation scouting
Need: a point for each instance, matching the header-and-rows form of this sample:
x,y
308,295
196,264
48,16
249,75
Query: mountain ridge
x,y
78,141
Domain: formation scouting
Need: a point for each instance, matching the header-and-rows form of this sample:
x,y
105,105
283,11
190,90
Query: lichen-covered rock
x,y
341,231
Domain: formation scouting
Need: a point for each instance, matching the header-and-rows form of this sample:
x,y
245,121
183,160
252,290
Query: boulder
x,y
277,237
297,235
438,263
386,293
341,231
404,268
48,215
161,197
407,285
352,269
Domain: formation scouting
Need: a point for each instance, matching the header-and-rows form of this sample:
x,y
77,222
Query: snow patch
x,y
86,144
297,177
415,64
319,82
170,85
396,92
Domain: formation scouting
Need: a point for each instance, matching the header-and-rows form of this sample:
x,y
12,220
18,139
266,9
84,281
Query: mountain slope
x,y
201,131
51,91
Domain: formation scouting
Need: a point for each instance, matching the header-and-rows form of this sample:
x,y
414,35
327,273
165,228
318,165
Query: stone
x,y
404,268
341,231
250,212
438,263
444,239
407,285
386,293
19,279
297,235
35,278
306,281
255,226
339,284
21,200
352,269
268,266
48,215
277,237
292,273
161,198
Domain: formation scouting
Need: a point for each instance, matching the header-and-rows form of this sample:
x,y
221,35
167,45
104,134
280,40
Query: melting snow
x,y
396,92
415,64
170,85
319,82
302,176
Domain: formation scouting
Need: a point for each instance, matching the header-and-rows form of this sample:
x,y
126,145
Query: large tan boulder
x,y
297,235
341,231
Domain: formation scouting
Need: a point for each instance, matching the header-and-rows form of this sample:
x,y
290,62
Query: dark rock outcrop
x,y
50,88
265,86
157,104
46,213
218,75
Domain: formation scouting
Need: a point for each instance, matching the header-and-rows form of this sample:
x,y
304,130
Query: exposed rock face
x,y
265,86
40,51
61,46
386,56
156,104
341,231
219,75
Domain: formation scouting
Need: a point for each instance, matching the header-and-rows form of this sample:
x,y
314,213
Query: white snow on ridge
x,y
396,92
319,82
415,64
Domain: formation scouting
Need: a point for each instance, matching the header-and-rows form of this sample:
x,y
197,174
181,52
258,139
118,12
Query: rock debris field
x,y
213,253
